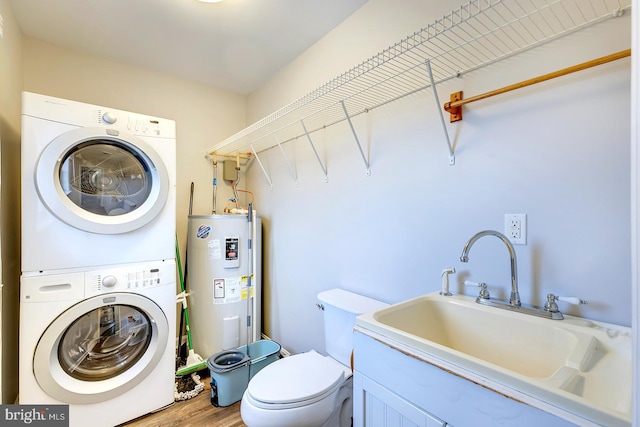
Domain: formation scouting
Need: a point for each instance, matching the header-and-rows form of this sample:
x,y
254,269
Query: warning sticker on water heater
x,y
231,247
218,289
231,289
226,290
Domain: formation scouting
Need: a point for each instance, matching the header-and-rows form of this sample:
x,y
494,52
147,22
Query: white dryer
x,y
98,185
101,341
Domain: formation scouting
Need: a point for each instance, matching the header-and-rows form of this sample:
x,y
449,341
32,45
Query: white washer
x,y
101,341
98,185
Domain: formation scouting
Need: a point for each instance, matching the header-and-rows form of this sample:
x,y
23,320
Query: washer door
x,y
102,180
100,348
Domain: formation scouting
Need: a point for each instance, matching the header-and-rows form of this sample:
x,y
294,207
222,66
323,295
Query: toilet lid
x,y
298,378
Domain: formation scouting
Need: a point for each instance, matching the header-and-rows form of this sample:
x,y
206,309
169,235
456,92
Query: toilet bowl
x,y
304,389
309,389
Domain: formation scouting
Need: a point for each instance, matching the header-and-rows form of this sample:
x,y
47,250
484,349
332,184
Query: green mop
x,y
194,361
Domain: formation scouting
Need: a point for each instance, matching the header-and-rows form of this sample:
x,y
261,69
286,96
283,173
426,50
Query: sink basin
x,y
534,350
577,365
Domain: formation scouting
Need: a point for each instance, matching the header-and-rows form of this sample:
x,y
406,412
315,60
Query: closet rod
x,y
454,107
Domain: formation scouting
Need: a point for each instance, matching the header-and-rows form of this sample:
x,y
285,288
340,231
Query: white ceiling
x,y
235,45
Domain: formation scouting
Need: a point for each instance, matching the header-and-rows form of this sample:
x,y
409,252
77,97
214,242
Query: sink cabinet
x,y
393,387
385,408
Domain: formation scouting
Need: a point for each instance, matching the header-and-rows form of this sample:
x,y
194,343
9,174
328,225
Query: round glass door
x,y
104,343
105,178
111,342
105,183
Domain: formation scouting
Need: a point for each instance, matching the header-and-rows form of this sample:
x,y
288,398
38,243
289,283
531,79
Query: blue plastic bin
x,y
261,353
229,376
231,370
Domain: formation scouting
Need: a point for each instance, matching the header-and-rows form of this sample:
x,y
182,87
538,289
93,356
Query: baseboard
x,y
283,351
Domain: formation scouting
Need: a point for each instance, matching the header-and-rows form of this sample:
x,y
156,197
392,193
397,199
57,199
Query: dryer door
x,y
100,348
102,180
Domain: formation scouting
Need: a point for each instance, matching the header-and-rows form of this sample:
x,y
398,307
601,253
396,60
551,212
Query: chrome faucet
x,y
514,300
549,311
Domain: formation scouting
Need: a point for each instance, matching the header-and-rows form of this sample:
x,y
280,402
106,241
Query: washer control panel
x,y
132,278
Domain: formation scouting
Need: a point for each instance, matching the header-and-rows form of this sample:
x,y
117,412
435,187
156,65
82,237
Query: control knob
x,y
109,118
109,281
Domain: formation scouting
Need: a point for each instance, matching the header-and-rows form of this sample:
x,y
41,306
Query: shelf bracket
x,y
455,113
324,169
264,171
452,156
286,159
353,130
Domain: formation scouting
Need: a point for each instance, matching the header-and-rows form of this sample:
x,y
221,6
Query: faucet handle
x,y
572,300
553,307
484,292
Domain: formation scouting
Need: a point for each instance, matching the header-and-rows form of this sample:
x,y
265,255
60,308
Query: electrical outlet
x,y
515,228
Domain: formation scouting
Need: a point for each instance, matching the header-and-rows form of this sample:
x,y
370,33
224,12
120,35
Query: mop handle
x,y
186,311
250,247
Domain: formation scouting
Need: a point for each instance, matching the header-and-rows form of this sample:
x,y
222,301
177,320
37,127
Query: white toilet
x,y
309,389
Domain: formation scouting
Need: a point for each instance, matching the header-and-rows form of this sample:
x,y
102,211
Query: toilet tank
x,y
340,311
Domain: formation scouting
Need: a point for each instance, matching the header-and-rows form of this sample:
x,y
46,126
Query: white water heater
x,y
224,278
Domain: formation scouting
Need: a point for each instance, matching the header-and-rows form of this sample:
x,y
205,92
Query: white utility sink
x,y
579,366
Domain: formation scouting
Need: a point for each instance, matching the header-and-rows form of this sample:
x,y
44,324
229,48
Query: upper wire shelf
x,y
476,34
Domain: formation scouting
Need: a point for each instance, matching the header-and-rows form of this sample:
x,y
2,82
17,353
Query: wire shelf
x,y
477,34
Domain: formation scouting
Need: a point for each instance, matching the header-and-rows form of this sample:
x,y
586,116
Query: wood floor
x,y
195,412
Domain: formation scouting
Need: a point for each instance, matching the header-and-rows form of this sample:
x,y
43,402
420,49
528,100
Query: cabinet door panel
x,y
382,408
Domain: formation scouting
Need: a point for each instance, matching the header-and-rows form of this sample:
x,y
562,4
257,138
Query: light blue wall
x,y
557,151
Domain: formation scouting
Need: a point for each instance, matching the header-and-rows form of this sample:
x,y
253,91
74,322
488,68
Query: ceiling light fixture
x,y
210,1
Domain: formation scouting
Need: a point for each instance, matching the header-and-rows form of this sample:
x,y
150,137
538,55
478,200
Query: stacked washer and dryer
x,y
98,283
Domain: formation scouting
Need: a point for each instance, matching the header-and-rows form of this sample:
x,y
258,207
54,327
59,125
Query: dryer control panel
x,y
87,115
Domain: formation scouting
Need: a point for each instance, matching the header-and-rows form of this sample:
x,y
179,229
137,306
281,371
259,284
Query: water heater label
x,y
232,289
231,257
213,248
218,289
227,290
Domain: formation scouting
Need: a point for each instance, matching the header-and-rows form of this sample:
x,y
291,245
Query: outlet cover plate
x,y
515,228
